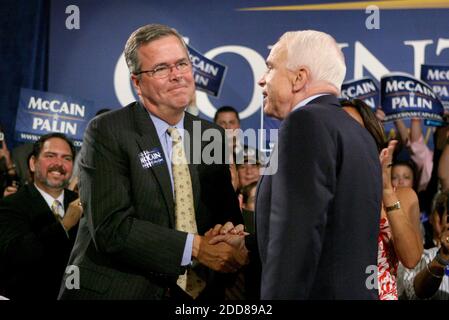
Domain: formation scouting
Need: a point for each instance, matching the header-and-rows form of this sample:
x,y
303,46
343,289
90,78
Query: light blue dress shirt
x,y
166,143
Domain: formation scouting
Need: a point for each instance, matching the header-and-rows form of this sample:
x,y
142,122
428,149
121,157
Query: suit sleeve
x,y
106,191
303,189
20,243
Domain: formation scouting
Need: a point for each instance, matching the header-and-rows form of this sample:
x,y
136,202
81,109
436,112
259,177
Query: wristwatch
x,y
395,206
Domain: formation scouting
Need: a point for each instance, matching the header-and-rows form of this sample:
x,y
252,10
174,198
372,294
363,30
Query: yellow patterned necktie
x,y
55,207
185,221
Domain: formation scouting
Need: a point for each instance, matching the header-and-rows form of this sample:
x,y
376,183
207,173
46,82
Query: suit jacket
x,y
34,248
318,215
127,246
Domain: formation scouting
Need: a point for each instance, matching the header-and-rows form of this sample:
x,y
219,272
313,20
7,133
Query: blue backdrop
x,y
24,30
86,63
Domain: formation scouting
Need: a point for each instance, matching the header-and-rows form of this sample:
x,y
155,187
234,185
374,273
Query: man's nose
x,y
58,161
174,73
261,81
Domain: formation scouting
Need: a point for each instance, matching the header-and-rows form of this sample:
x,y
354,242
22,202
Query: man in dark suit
x,y
36,239
318,211
128,246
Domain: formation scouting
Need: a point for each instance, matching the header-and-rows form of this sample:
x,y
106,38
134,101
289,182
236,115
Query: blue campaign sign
x,y
364,89
438,78
405,97
88,62
42,112
208,74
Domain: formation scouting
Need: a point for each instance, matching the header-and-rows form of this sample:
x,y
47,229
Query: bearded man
x,y
38,224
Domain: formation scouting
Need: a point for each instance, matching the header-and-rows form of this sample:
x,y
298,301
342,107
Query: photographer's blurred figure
x,y
8,174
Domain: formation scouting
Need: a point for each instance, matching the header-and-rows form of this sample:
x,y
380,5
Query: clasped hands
x,y
222,248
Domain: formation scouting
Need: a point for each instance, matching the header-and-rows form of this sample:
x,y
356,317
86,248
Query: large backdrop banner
x,y
87,62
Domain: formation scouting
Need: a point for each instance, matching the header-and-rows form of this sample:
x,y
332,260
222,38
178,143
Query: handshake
x,y
222,248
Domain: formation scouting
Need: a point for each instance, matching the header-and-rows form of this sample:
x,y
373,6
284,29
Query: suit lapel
x,y
149,140
39,203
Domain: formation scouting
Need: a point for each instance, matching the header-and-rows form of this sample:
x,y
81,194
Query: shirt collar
x,y
49,199
162,126
307,100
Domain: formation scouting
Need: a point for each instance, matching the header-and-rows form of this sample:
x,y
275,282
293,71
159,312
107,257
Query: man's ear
x,y
31,164
136,83
301,79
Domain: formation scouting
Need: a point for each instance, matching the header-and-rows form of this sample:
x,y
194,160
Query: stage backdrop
x,y
87,62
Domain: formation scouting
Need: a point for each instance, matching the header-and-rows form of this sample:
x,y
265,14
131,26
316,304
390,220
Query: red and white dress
x,y
387,263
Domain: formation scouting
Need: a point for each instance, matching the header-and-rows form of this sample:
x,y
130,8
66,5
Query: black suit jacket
x,y
318,215
127,246
34,248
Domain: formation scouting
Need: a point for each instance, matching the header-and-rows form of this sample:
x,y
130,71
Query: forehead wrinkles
x,y
56,146
278,53
160,53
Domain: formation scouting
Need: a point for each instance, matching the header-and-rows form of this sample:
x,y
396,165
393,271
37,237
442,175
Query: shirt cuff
x,y
187,255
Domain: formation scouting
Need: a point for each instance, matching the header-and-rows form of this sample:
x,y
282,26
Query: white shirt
x,y
307,100
409,276
49,199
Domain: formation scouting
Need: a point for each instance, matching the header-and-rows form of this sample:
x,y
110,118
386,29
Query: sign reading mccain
x,y
438,78
41,112
208,74
403,96
364,89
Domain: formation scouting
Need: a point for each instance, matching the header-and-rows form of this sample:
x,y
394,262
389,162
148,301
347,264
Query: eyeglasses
x,y
163,71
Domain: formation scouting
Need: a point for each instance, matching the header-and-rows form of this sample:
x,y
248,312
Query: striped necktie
x,y
56,208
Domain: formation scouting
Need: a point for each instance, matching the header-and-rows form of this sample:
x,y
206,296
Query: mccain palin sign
x,y
404,97
208,74
42,112
364,89
438,78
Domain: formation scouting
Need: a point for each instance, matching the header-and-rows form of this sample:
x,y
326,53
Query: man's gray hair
x,y
319,52
144,35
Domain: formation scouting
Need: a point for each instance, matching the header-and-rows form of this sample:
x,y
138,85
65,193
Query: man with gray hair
x,y
318,215
147,210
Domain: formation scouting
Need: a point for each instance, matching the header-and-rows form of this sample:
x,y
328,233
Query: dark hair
x,y
37,147
226,109
372,124
144,35
440,203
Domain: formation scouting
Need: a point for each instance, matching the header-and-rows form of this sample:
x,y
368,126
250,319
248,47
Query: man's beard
x,y
43,179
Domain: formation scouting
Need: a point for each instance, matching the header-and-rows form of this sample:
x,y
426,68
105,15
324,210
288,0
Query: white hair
x,y
319,52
